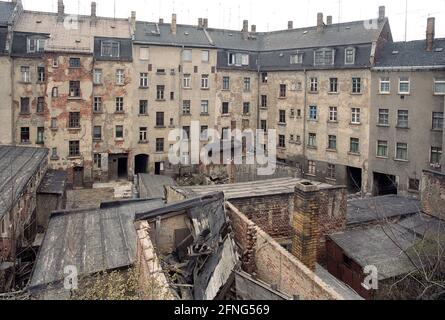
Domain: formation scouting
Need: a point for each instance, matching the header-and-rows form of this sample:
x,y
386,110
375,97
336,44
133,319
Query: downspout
x,y
304,118
258,93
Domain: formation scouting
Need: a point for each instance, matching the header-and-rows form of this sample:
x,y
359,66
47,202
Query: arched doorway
x,y
141,163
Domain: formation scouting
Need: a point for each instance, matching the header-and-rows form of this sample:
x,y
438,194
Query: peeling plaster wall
x,y
6,105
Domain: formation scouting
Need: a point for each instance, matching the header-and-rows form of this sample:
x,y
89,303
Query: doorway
x,y
158,167
141,164
78,177
354,179
384,184
117,166
122,168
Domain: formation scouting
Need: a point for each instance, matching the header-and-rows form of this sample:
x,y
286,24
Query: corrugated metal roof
x,y
17,166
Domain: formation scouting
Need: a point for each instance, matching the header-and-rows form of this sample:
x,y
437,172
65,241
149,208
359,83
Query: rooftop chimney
x,y
305,223
205,22
173,25
133,21
199,22
60,9
329,20
161,21
93,9
320,23
290,25
430,33
382,13
245,29
253,28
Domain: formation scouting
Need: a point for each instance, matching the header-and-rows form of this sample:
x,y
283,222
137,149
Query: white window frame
x,y
407,151
204,106
204,81
355,115
440,81
97,76
324,51
377,149
111,44
143,80
297,58
382,81
431,153
353,56
120,77
187,81
405,82
333,114
25,72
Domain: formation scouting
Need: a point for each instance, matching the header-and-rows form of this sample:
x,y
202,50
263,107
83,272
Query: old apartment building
x,y
104,94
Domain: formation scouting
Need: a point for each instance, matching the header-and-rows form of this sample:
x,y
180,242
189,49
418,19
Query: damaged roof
x,y
380,208
251,189
91,240
152,186
17,166
54,182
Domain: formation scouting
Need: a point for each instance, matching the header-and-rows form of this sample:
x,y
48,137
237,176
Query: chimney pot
x,y
290,25
93,9
253,28
173,25
200,25
161,21
382,13
320,23
245,29
133,21
430,34
329,20
206,23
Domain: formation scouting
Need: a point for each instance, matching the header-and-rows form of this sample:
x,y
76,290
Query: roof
x,y
6,11
72,35
91,240
17,166
411,53
340,287
380,208
251,189
351,33
54,182
388,247
152,186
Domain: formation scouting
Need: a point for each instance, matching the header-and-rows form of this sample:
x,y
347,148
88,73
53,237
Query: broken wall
x,y
433,194
5,106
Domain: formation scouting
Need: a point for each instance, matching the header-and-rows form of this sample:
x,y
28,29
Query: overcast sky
x,y
267,15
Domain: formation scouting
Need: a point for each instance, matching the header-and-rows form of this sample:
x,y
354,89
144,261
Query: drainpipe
x,y
304,116
258,93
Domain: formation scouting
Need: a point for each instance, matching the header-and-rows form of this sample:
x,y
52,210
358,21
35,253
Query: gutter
x,y
409,68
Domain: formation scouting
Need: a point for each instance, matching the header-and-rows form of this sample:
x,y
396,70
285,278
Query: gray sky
x,y
267,15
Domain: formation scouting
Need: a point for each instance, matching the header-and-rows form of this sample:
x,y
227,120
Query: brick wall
x,y
433,194
274,265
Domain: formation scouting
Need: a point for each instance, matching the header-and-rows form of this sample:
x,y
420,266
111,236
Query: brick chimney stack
x,y
305,223
329,20
199,23
133,21
93,9
161,21
245,29
173,25
382,13
320,23
290,25
60,10
430,33
253,28
205,22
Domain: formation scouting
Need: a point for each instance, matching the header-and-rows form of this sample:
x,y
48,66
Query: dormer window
x,y
36,45
296,58
324,57
349,56
110,48
238,59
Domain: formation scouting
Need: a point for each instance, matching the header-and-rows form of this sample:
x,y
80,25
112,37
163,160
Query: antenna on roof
x,y
339,14
114,8
406,20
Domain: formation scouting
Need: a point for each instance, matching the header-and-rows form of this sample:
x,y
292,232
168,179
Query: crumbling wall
x,y
275,265
152,281
5,107
173,195
433,194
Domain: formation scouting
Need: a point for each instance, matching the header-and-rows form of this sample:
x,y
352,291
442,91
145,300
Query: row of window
x,y
401,152
404,85
354,143
403,119
331,172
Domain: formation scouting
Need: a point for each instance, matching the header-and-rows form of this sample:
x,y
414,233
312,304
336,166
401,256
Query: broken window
x,y
311,167
74,89
436,155
24,135
74,120
40,74
55,92
264,77
313,113
74,63
40,135
159,144
119,132
97,133
74,148
414,184
186,105
282,117
314,85
312,142
246,108
119,104
331,172
24,105
26,74
110,48
40,104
